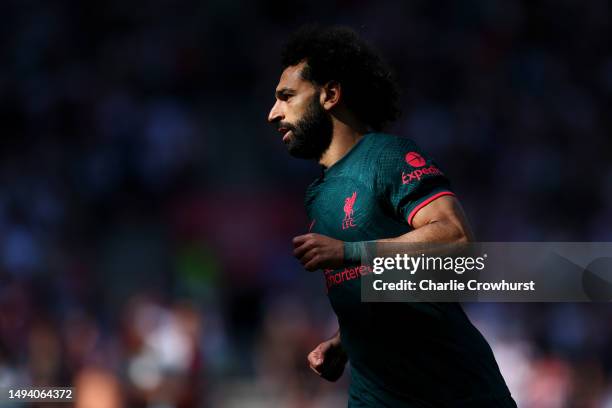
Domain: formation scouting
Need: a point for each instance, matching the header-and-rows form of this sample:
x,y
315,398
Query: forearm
x,y
440,222
336,338
442,228
433,238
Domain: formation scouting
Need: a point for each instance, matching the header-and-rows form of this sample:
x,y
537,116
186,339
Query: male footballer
x,y
332,101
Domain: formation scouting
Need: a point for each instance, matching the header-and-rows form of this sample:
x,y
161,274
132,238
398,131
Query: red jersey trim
x,y
416,209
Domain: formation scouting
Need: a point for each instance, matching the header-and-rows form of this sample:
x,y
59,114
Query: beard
x,y
312,134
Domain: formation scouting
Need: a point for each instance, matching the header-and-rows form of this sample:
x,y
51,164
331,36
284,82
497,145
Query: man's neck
x,y
343,140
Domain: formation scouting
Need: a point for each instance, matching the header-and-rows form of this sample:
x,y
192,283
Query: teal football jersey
x,y
401,354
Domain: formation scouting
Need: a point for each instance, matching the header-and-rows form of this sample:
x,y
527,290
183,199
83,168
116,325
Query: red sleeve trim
x,y
427,201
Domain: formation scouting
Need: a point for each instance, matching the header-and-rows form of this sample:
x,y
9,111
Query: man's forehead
x,y
292,77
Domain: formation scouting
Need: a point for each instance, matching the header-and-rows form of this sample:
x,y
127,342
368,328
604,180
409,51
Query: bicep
x,y
446,210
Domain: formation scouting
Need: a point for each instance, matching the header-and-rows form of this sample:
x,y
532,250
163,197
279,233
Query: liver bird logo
x,y
349,202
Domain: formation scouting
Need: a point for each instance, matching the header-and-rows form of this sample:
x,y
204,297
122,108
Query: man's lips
x,y
285,132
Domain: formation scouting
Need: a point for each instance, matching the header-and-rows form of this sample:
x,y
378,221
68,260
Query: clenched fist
x,y
328,359
316,251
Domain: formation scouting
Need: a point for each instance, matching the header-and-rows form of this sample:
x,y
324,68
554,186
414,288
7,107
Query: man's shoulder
x,y
385,147
386,141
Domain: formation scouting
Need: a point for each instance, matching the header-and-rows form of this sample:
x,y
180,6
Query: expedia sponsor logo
x,y
415,160
416,175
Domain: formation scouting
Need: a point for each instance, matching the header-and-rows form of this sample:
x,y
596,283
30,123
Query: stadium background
x,y
146,208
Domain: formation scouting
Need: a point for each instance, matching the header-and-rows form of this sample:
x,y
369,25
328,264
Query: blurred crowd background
x,y
147,209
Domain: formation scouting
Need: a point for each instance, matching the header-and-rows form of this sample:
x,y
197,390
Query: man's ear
x,y
330,95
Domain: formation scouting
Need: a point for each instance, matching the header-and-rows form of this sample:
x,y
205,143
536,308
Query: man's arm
x,y
441,221
328,358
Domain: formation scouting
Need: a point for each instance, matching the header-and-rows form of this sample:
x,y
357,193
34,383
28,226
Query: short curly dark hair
x,y
339,54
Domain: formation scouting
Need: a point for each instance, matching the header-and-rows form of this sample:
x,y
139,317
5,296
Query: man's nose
x,y
275,113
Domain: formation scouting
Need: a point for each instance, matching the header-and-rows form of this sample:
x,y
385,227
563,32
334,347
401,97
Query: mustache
x,y
285,125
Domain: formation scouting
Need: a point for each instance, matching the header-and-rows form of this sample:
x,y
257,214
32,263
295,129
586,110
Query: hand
x,y
316,251
328,359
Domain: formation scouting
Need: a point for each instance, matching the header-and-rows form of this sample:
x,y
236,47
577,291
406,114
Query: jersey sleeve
x,y
408,178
